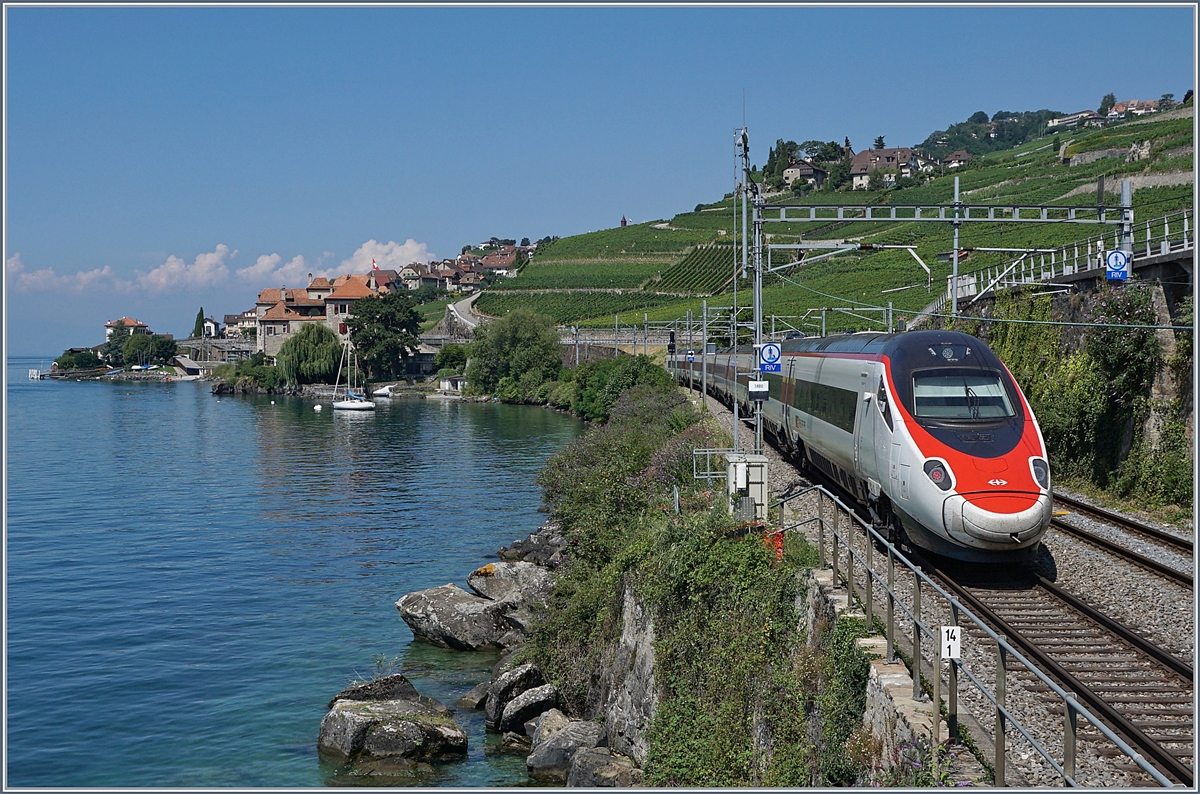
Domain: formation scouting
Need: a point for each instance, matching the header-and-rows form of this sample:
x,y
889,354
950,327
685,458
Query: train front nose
x,y
998,520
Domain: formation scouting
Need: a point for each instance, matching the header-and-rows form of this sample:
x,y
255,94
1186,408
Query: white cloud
x,y
46,279
390,255
207,270
268,270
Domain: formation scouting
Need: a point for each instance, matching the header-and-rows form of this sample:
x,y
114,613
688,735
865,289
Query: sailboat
x,y
352,401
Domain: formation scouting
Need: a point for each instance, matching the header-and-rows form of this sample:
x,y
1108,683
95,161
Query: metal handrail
x,y
1073,707
1084,255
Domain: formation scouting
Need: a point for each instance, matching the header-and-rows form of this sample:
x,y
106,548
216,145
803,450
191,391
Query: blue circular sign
x,y
770,353
1117,262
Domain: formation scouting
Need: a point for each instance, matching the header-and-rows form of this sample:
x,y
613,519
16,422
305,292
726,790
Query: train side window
x,y
882,401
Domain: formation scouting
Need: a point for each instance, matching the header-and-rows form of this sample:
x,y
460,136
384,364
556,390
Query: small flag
x,y
373,265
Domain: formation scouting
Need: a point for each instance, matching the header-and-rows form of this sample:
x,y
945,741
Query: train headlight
x,y
939,473
1041,472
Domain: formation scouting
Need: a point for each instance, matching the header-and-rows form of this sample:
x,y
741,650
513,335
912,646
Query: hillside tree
x,y
978,117
879,144
1106,104
198,328
1166,102
384,331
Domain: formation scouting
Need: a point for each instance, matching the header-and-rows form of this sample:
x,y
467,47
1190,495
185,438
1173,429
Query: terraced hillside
x,y
687,250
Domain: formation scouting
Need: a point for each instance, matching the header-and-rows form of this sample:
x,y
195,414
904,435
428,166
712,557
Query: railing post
x,y
952,695
916,640
836,551
870,599
891,604
1001,688
821,527
937,693
1070,732
850,560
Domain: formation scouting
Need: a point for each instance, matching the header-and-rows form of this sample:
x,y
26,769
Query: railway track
x,y
1173,543
1139,690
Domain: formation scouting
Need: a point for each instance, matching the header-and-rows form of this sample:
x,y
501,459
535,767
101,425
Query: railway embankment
x,y
648,643
1114,401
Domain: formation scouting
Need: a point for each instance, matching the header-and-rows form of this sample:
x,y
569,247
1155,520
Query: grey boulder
x,y
528,705
597,767
389,687
507,686
551,759
360,730
511,580
548,724
451,617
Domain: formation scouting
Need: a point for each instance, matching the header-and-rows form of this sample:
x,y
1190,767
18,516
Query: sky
x,y
160,160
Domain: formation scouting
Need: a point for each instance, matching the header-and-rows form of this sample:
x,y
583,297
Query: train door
x,y
886,453
864,435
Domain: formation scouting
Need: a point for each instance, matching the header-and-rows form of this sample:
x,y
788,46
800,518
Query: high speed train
x,y
927,429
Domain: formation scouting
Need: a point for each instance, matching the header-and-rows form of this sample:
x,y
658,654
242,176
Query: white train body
x,y
927,428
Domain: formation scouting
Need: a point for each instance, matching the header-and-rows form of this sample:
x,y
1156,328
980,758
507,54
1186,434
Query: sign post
x,y
769,358
1117,265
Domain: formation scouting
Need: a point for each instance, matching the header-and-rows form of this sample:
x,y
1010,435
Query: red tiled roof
x,y
869,159
126,321
351,289
320,282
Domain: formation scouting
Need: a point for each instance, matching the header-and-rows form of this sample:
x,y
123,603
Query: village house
x,y
242,325
1136,107
806,171
210,327
134,326
1073,120
892,163
281,313
958,158
339,305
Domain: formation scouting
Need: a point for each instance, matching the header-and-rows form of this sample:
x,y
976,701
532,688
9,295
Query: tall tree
x,y
978,117
384,331
138,349
1106,104
110,351
310,355
198,328
520,345
1166,102
879,144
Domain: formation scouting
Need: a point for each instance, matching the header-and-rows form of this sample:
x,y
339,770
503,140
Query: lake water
x,y
192,578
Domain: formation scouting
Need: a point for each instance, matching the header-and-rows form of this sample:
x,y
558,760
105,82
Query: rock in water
x,y
389,687
453,618
526,706
476,697
551,759
597,767
507,686
504,580
355,731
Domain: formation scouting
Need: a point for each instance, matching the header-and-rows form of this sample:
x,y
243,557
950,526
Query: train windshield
x,y
960,397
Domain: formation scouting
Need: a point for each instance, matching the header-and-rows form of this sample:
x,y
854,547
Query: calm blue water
x,y
192,578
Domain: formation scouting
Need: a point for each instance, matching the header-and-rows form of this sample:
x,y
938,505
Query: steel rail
x,y
1156,652
1123,551
1126,523
1103,708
